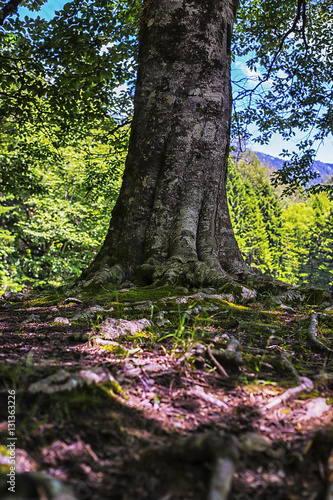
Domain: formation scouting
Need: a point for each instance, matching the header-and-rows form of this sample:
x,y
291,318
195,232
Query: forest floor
x,y
151,408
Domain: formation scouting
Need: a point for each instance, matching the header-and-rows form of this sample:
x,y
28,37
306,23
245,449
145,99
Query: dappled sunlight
x,y
90,412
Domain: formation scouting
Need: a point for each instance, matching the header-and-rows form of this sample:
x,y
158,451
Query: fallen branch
x,y
312,334
219,368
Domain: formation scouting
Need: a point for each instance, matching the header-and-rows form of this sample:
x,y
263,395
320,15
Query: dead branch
x,y
219,368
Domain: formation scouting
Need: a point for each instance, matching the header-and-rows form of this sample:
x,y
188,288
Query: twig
x,y
312,334
220,368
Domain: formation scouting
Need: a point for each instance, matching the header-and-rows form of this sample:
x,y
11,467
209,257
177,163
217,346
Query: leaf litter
x,y
155,409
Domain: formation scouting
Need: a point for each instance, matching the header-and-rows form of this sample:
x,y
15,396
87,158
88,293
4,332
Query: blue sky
x,y
275,146
240,72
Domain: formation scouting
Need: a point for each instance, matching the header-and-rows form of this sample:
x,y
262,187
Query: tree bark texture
x,y
172,216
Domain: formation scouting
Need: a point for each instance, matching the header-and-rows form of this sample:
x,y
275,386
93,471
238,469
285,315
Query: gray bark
x,y
172,216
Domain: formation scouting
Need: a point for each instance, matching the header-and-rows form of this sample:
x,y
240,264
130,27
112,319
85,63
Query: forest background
x,y
49,237
61,173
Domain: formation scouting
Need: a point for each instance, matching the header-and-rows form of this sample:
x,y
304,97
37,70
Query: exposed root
x,y
224,470
312,334
288,365
198,392
221,448
244,286
196,274
329,490
306,385
232,355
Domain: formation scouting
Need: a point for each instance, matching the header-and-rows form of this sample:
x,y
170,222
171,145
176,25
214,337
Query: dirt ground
x,y
113,412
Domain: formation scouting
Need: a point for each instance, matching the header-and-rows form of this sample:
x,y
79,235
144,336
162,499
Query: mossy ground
x,y
83,434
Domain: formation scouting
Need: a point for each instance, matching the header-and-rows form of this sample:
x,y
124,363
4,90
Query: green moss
x,y
313,295
116,349
147,293
47,300
229,305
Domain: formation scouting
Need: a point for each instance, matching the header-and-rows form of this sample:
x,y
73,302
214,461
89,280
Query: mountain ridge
x,y
323,169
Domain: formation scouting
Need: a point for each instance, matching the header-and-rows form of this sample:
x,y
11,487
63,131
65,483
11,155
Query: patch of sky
x,y
244,80
46,11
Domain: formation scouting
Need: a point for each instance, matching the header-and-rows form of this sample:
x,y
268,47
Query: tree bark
x,y
171,219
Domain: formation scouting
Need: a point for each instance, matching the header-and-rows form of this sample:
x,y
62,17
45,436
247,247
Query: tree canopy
x,y
78,69
64,78
288,46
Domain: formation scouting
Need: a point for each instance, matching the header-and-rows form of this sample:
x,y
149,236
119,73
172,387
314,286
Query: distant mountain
x,y
323,169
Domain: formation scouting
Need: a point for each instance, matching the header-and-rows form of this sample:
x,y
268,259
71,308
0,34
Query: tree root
x,y
231,356
196,274
223,473
224,450
244,285
312,334
221,448
306,385
329,489
286,363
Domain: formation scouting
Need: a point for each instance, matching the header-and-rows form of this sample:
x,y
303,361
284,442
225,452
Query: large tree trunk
x,y
171,218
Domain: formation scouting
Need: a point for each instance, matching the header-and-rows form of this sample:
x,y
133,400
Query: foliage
x,y
291,240
66,99
52,234
288,46
248,221
63,78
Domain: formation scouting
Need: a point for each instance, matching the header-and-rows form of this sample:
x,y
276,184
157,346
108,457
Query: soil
x,y
133,432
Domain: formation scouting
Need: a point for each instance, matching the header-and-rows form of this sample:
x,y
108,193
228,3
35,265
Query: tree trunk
x,y
171,219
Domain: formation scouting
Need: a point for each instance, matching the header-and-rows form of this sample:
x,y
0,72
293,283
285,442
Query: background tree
x,y
51,234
